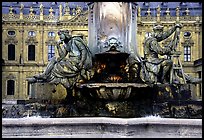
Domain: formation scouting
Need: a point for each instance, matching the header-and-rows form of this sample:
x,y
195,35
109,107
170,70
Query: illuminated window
x,y
148,34
51,34
11,52
31,52
31,33
51,52
10,87
187,53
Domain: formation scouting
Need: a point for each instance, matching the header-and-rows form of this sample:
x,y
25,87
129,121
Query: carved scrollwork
x,y
10,77
11,40
187,41
31,40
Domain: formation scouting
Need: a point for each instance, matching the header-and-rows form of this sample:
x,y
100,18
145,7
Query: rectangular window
x,y
31,52
10,87
187,53
51,52
11,52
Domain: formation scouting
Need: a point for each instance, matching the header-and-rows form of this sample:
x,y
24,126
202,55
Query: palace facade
x,y
29,37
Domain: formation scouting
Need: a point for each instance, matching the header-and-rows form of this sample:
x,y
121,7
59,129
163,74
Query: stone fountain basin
x,y
112,91
101,127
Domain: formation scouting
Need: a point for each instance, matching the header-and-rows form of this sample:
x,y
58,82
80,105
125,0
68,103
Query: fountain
x,y
111,79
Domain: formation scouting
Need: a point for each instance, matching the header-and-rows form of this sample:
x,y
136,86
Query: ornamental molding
x,y
187,41
11,40
51,41
10,77
31,41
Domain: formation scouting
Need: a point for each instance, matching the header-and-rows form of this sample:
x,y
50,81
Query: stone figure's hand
x,y
59,42
178,25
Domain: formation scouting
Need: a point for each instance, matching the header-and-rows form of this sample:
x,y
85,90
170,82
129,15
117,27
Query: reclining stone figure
x,y
73,64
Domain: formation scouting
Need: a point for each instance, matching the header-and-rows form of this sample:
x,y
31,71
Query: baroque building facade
x,y
29,37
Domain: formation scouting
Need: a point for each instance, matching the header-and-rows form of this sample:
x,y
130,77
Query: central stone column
x,y
112,19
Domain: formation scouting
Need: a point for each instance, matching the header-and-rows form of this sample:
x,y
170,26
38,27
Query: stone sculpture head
x,y
158,31
64,35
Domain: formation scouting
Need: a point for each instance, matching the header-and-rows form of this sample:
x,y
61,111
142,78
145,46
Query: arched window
x,y
148,34
51,34
31,33
51,51
187,53
11,52
31,52
10,87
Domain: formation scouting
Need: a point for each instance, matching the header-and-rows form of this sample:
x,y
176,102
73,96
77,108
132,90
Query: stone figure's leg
x,y
166,65
152,78
48,69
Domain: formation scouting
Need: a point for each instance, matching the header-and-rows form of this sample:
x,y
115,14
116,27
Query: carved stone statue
x,y
41,8
154,64
156,68
73,64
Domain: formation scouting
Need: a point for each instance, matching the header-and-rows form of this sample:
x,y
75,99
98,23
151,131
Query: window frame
x,y
51,34
187,36
51,52
10,88
31,54
32,33
148,34
11,34
187,53
11,52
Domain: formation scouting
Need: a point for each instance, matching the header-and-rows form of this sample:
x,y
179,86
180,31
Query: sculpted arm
x,y
62,52
158,49
168,33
